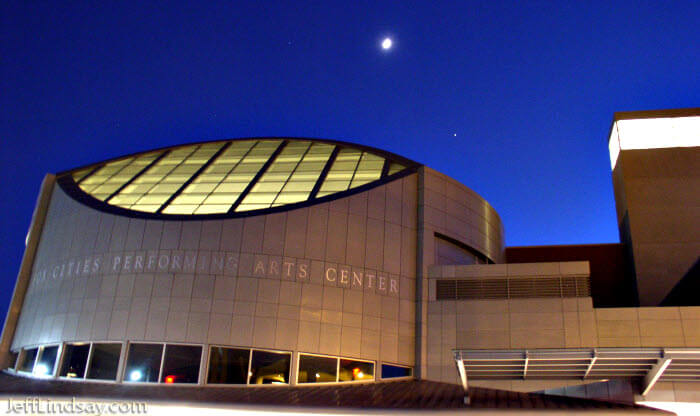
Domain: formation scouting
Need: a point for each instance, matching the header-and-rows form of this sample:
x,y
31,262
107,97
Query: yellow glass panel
x,y
101,197
106,188
298,186
251,207
153,199
275,177
114,175
267,187
145,208
124,199
239,177
340,174
335,186
77,176
231,187
395,168
369,169
185,199
260,198
221,199
135,189
272,181
199,188
222,175
289,179
180,209
212,209
291,197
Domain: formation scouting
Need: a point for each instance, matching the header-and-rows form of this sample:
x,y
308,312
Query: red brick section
x,y
612,280
404,394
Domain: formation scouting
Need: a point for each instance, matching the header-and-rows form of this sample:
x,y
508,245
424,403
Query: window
x,y
395,371
143,363
181,364
228,366
13,359
27,358
74,360
105,361
315,369
270,367
47,361
352,370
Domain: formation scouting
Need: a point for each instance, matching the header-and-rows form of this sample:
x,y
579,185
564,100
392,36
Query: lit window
x,y
314,369
47,361
105,361
74,360
228,365
143,363
181,364
270,368
353,370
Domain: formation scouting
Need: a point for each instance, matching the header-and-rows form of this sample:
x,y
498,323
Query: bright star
x,y
386,44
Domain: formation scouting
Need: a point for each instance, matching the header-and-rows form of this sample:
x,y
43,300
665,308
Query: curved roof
x,y
232,178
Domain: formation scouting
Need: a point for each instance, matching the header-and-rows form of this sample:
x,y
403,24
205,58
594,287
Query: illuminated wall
x,y
656,176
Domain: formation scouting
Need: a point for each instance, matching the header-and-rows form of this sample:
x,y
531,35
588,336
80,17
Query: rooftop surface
x,y
402,394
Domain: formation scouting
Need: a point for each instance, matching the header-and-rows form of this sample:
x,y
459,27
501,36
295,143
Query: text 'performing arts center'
x,y
303,262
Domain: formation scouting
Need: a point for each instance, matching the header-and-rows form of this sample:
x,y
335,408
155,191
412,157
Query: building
x,y
299,262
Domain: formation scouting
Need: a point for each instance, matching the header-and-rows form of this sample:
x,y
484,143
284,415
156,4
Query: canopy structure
x,y
651,364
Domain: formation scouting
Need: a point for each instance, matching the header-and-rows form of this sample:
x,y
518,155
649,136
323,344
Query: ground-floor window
x,y
75,358
267,367
228,365
181,364
143,363
315,369
26,359
104,361
395,371
46,361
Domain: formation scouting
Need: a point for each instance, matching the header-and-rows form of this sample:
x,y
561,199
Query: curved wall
x,y
336,278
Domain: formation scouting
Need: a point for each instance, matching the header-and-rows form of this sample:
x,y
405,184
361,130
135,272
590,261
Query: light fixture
x,y
41,369
135,375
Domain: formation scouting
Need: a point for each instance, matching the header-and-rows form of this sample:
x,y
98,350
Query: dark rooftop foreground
x,y
403,394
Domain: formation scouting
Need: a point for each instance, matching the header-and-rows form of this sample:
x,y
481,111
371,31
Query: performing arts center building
x,y
283,271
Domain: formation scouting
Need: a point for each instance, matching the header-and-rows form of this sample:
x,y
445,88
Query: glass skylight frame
x,y
183,182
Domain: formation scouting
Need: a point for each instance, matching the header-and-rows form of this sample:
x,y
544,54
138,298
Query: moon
x,y
387,43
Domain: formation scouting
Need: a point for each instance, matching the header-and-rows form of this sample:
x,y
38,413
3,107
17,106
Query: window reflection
x,y
74,360
105,361
314,369
27,360
143,363
270,368
47,361
228,366
352,370
181,364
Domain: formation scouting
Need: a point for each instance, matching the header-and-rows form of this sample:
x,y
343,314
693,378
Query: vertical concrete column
x,y
25,270
421,286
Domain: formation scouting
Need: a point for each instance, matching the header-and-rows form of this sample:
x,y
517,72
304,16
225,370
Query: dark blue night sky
x,y
529,89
